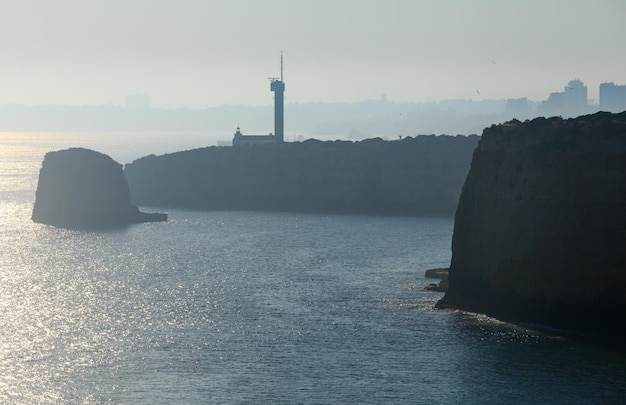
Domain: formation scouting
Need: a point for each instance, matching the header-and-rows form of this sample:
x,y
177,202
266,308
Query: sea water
x,y
253,307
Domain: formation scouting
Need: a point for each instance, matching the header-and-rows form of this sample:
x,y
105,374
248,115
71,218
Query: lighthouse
x,y
278,87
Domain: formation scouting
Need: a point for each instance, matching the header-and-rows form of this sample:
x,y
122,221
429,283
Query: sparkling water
x,y
251,307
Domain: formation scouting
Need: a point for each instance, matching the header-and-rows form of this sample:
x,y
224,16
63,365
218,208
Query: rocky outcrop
x,y
442,275
540,229
80,188
412,176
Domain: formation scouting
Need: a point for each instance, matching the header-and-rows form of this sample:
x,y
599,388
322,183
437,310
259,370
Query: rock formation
x,y
442,275
540,229
412,176
80,188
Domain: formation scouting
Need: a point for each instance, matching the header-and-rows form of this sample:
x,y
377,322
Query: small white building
x,y
242,140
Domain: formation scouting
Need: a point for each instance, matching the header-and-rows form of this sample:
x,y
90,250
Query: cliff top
x,y
583,124
77,157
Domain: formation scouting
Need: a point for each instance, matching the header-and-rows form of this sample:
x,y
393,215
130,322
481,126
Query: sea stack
x,y
540,229
80,188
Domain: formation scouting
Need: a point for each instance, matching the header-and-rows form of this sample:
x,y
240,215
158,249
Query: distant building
x,y
518,108
571,102
138,101
612,97
278,87
240,139
575,98
554,105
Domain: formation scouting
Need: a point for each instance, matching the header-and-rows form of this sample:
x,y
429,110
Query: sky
x,y
206,53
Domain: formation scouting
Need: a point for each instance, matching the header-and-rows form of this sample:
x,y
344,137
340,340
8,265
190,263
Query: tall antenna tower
x,y
278,87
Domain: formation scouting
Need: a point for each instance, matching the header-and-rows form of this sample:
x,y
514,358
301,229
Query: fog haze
x,y
200,54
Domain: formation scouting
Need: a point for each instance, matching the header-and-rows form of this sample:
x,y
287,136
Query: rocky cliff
x,y
540,229
80,188
413,176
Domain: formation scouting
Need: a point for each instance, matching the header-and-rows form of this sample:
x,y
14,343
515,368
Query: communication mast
x,y
278,87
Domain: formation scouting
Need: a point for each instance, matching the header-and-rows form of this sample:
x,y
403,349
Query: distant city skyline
x,y
617,91
199,54
573,100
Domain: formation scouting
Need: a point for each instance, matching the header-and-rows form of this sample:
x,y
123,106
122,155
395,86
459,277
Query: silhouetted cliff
x,y
80,188
413,176
540,230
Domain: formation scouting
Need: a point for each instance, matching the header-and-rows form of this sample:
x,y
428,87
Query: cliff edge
x,y
80,188
540,229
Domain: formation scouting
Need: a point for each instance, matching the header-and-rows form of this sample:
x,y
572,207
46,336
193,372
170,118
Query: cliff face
x,y
80,188
414,176
540,229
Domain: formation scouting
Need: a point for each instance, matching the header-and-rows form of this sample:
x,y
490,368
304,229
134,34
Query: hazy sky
x,y
201,53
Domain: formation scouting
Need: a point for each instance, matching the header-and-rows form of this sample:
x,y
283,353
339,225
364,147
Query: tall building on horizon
x,y
571,102
612,97
575,98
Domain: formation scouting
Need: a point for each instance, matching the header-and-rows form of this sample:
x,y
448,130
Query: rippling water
x,y
244,307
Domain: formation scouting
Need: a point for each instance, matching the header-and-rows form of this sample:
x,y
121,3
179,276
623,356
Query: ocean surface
x,y
253,307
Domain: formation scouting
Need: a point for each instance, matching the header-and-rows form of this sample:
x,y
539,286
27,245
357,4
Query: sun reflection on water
x,y
58,327
238,307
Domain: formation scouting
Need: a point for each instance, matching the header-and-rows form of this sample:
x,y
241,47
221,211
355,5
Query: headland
x,y
541,223
412,176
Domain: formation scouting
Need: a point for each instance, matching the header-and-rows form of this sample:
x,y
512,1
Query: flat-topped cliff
x,y
412,176
80,188
540,229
